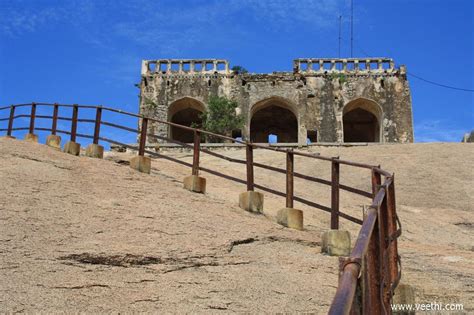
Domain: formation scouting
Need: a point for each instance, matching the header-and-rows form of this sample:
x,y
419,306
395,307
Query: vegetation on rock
x,y
221,117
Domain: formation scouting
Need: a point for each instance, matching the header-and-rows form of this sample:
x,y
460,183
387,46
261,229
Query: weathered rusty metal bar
x,y
32,118
356,307
75,112
98,118
335,194
376,181
54,125
383,252
196,149
343,300
392,230
289,178
249,160
10,121
373,301
143,132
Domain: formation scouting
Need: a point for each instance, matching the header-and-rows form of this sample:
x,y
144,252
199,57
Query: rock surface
x,y
81,234
89,235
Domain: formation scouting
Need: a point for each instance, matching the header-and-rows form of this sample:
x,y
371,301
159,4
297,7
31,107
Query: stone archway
x,y
361,121
274,116
185,111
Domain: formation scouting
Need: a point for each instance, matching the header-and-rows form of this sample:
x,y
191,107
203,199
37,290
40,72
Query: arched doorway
x,y
187,112
361,121
273,116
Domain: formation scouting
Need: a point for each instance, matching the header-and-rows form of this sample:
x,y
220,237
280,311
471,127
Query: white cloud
x,y
14,22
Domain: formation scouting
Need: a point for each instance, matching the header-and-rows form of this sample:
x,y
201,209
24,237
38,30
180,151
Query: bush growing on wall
x,y
220,117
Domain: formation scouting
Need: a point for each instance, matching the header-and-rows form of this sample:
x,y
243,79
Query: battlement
x,y
321,65
185,66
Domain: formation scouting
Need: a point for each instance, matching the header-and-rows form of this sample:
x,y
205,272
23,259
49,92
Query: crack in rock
x,y
240,242
270,239
145,300
126,260
24,157
211,264
78,287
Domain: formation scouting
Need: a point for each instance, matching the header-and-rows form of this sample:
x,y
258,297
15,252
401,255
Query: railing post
x,y
197,148
372,299
392,229
32,118
55,119
143,132
383,252
10,121
376,182
75,112
249,160
335,194
98,118
289,178
356,307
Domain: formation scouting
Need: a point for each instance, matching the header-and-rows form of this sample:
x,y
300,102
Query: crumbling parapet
x,y
185,66
322,65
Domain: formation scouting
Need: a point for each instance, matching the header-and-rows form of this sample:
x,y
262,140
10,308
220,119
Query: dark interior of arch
x,y
275,120
360,126
185,117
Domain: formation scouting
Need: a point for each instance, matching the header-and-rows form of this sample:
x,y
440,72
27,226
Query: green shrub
x,y
220,117
239,70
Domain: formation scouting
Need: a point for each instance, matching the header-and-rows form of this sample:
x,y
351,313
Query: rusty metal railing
x,y
368,277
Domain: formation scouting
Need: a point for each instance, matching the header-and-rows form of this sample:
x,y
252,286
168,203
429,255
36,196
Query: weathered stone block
x,y
195,183
72,148
141,164
31,137
404,294
54,141
251,201
292,218
95,151
336,243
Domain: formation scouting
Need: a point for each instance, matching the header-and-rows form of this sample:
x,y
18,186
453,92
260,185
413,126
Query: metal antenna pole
x,y
352,28
340,22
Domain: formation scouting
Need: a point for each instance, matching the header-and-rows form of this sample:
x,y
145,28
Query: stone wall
x,y
319,93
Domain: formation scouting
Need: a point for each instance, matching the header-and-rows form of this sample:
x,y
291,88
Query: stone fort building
x,y
323,100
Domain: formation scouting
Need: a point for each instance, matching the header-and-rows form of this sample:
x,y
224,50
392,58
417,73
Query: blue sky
x,y
89,51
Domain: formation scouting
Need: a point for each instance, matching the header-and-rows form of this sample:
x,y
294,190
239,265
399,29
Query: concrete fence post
x,y
53,140
31,136
71,147
194,182
141,162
